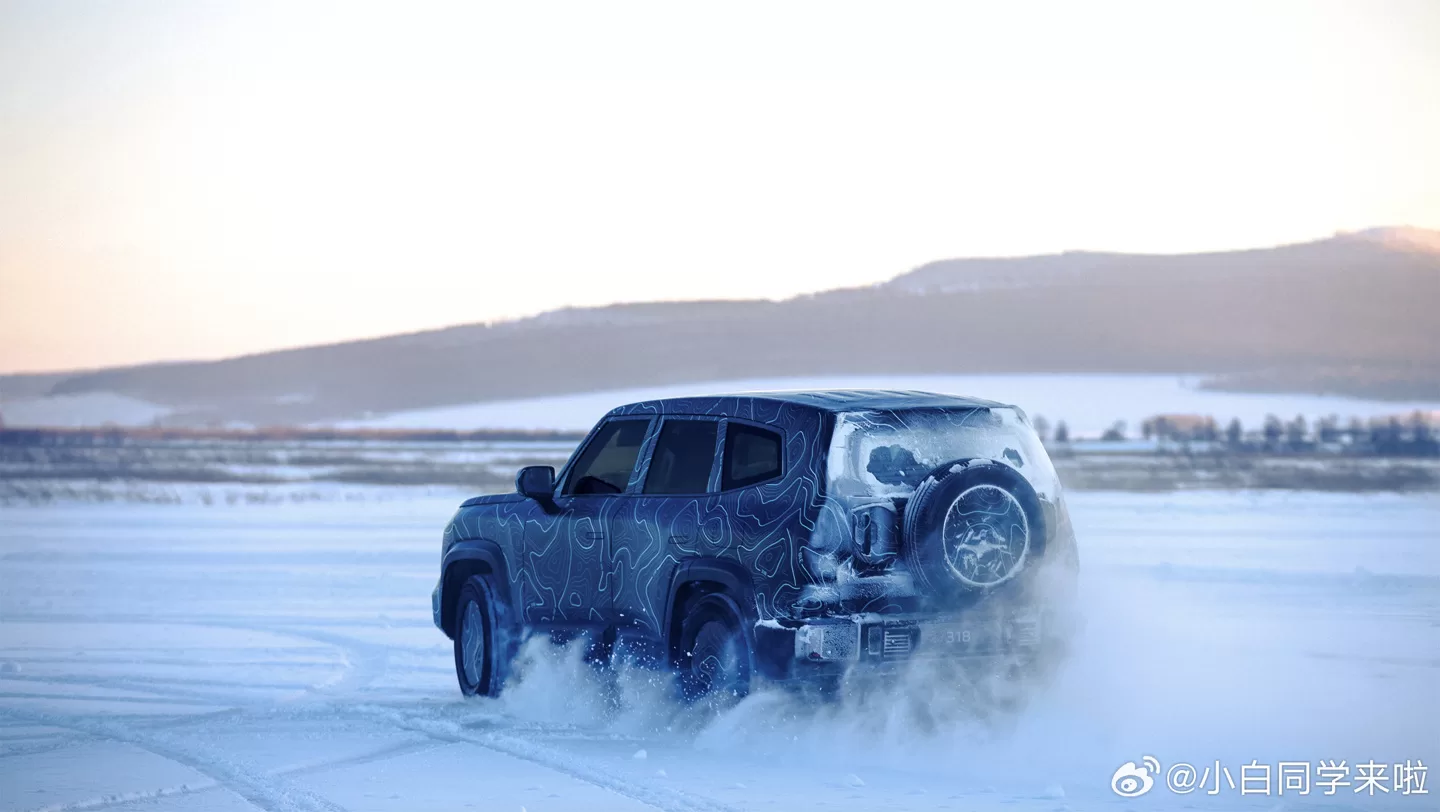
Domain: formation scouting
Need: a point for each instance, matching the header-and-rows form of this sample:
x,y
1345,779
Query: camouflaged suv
x,y
785,536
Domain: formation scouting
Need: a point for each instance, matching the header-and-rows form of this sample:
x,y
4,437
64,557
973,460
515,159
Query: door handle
x,y
594,536
678,538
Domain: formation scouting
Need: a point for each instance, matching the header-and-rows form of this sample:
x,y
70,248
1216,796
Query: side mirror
x,y
536,481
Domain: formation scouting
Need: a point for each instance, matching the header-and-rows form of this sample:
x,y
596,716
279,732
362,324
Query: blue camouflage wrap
x,y
601,560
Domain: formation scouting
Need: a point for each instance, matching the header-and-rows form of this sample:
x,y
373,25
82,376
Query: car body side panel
x,y
642,560
562,575
554,565
759,527
642,556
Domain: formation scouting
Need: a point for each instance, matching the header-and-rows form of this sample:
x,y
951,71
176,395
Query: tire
x,y
972,526
715,662
482,641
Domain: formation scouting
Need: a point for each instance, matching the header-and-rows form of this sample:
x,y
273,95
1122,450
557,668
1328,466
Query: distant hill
x,y
1353,314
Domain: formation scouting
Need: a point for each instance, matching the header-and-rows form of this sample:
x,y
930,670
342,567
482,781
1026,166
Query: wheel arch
x,y
464,560
708,576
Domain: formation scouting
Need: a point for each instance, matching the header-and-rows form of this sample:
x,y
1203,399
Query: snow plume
x,y
1187,661
559,684
1183,670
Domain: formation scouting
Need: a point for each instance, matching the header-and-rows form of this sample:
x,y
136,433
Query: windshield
x,y
888,453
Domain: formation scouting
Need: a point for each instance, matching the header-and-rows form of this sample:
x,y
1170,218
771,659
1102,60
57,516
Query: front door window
x,y
605,465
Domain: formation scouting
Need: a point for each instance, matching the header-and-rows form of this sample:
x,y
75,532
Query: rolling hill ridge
x,y
1352,314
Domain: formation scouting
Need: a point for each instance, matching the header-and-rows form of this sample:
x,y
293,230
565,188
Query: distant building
x,y
1180,427
1418,417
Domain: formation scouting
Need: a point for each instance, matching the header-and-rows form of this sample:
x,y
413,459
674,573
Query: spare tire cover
x,y
972,525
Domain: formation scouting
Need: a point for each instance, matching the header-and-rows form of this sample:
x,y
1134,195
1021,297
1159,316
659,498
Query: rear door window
x,y
604,467
752,456
684,457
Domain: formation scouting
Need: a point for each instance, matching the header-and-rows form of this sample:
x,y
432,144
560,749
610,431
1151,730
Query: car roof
x,y
825,400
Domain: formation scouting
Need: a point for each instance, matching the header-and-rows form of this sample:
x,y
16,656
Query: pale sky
x,y
187,180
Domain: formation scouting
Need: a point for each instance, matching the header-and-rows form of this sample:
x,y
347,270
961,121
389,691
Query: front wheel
x,y
481,639
715,661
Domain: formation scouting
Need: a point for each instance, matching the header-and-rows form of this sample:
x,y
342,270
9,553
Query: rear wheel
x,y
715,660
481,641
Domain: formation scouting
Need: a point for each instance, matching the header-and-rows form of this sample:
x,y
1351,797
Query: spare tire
x,y
971,526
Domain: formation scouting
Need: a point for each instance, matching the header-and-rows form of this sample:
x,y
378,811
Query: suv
x,y
787,536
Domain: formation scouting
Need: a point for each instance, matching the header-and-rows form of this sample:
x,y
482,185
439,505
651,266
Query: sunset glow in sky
x,y
187,180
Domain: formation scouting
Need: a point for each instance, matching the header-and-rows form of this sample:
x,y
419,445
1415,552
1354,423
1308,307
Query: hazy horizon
x,y
191,182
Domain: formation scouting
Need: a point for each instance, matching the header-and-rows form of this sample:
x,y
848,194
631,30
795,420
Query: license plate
x,y
964,638
982,636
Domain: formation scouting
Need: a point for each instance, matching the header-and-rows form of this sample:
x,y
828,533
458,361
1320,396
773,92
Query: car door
x,y
665,521
761,508
566,568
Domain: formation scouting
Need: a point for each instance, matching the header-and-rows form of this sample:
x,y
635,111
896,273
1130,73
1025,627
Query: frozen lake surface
x,y
281,657
1087,403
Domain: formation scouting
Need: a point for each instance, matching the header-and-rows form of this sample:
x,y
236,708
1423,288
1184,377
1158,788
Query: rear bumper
x,y
818,645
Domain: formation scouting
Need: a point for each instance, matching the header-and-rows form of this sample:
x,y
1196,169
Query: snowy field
x,y
1087,403
281,657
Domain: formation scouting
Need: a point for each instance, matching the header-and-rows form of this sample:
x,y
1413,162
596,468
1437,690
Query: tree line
x,y
1414,435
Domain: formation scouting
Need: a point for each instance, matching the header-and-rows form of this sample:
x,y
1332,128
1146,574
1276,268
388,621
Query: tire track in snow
x,y
122,798
365,662
168,686
37,746
667,799
162,691
368,661
269,793
133,700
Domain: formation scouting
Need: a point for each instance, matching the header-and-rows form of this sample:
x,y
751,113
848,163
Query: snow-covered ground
x,y
281,657
1087,403
73,411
